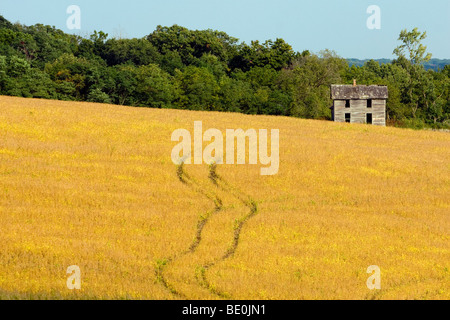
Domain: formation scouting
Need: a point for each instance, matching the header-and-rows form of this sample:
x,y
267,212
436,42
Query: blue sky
x,y
339,25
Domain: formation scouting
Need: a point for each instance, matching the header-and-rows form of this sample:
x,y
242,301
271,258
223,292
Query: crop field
x,y
93,185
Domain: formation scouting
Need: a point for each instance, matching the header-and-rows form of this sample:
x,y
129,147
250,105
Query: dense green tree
x,y
18,78
47,44
3,72
97,95
259,76
154,87
213,64
235,95
137,51
199,88
122,84
76,73
275,54
94,47
411,55
17,43
412,47
308,80
192,44
5,24
209,70
171,61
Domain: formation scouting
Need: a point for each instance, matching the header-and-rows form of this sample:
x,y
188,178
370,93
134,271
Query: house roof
x,y
347,92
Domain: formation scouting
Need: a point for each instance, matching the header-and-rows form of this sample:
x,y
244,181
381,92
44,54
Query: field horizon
x,y
93,185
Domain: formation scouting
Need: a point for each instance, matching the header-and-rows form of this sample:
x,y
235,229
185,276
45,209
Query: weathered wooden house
x,y
359,103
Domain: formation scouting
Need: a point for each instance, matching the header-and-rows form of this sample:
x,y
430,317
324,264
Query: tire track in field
x,y
200,273
202,221
239,224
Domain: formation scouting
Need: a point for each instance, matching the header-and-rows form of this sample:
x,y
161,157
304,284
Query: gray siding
x,y
344,92
358,110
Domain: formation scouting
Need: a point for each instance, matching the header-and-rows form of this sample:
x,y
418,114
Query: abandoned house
x,y
359,103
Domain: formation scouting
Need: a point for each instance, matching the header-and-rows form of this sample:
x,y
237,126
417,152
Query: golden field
x,y
94,185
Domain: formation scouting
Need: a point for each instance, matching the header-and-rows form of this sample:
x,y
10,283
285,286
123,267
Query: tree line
x,y
434,64
174,67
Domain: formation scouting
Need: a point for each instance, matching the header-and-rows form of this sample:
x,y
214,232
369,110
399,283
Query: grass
x,y
93,185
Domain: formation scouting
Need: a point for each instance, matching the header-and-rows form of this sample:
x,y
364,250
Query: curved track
x,y
201,272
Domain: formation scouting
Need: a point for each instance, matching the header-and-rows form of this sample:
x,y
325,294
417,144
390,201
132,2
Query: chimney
x,y
354,82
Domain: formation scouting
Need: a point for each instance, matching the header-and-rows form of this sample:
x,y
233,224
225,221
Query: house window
x,y
347,103
369,103
369,118
347,117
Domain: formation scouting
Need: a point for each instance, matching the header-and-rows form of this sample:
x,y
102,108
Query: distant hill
x,y
434,64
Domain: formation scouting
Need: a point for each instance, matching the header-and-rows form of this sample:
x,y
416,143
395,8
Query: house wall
x,y
358,110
